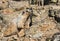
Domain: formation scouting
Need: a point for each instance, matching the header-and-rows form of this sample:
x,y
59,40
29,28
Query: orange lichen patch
x,y
8,11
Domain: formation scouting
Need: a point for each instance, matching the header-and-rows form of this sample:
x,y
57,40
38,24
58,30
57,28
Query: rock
x,y
56,37
54,0
47,25
4,38
34,32
3,4
21,33
11,29
57,13
41,15
8,11
37,35
1,35
13,38
21,38
26,39
32,40
58,26
14,4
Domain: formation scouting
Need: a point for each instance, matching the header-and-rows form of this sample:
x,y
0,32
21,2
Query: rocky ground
x,y
20,21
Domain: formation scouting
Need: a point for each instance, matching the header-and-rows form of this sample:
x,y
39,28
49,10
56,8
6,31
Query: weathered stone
x,y
26,39
21,33
34,32
13,38
47,25
11,29
32,40
54,0
14,4
56,37
3,4
4,38
8,11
